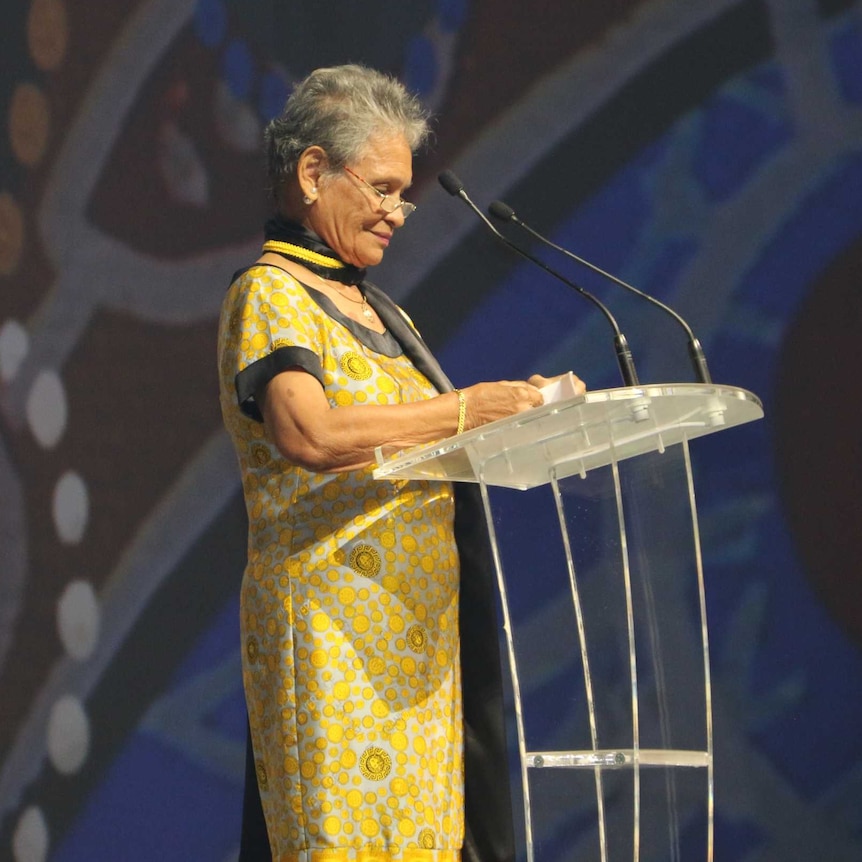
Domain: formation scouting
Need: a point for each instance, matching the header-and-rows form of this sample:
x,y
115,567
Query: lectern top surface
x,y
576,435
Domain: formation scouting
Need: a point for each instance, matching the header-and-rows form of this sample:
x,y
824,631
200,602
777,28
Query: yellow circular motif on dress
x,y
375,763
426,839
355,366
320,622
341,689
260,455
251,650
387,539
365,560
369,827
280,342
262,779
416,638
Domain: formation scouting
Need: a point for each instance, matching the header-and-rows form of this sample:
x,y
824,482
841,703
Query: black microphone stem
x,y
695,351
453,185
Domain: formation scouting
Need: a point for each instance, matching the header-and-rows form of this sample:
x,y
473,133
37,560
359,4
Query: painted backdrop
x,y
708,151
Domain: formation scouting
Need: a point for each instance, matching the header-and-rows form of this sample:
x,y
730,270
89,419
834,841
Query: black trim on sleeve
x,y
255,376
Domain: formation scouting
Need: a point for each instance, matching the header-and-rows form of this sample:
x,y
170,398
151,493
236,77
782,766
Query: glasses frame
x,y
386,201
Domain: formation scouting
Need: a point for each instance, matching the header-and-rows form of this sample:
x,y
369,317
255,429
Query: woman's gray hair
x,y
341,109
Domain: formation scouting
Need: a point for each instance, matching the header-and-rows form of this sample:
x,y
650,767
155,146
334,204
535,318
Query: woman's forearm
x,y
308,432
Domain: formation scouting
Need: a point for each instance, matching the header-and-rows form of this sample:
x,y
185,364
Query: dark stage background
x,y
709,151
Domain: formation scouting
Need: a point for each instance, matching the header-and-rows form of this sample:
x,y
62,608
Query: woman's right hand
x,y
486,402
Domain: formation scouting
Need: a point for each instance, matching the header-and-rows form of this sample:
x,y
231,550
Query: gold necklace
x,y
367,313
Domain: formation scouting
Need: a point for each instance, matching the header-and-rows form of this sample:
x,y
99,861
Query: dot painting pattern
x,y
30,122
349,610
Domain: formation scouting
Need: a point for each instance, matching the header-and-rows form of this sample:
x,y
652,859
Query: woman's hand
x,y
486,402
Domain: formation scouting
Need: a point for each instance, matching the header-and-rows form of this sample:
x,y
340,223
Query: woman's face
x,y
347,214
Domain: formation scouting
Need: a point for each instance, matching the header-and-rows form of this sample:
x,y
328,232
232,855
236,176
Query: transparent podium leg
x,y
585,662
638,722
513,665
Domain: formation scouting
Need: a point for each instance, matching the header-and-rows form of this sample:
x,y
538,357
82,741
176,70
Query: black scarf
x,y
293,241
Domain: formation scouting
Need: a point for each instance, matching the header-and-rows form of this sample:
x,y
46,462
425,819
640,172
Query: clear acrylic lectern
x,y
618,762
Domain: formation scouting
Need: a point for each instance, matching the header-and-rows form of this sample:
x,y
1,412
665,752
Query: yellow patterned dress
x,y
349,605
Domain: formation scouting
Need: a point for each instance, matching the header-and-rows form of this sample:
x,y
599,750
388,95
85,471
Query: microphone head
x,y
451,183
501,211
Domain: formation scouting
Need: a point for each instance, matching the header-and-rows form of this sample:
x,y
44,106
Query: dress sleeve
x,y
272,327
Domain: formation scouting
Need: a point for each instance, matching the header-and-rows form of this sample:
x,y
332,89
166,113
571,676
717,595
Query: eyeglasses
x,y
387,203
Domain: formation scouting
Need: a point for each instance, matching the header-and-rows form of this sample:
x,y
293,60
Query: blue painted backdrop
x,y
708,151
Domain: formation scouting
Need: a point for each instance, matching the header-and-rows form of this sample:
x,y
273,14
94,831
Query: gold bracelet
x,y
462,411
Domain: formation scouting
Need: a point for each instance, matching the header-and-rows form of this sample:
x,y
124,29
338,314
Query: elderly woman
x,y
353,635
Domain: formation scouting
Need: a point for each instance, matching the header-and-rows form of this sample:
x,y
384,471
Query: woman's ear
x,y
312,164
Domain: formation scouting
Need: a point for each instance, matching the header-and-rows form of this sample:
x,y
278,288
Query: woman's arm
x,y
308,432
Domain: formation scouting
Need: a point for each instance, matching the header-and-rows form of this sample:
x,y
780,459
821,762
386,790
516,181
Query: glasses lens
x,y
389,204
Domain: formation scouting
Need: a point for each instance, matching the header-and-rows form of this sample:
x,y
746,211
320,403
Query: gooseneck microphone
x,y
455,187
505,213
